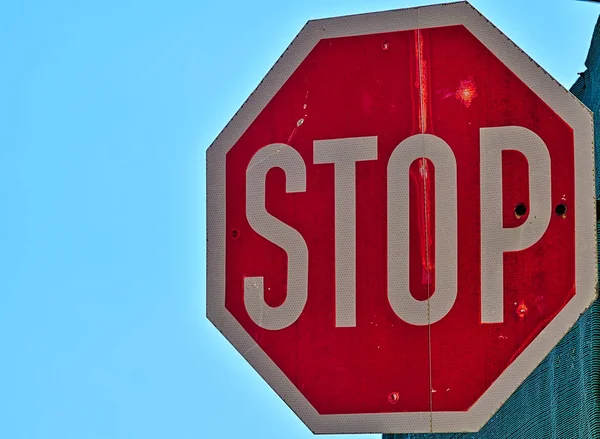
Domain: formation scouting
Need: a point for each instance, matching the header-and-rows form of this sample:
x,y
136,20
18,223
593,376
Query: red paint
x,y
422,229
349,87
515,183
421,84
467,91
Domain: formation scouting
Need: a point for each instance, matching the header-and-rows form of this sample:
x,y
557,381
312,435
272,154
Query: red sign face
x,y
403,227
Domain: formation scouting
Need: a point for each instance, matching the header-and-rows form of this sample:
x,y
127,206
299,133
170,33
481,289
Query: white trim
x,y
548,89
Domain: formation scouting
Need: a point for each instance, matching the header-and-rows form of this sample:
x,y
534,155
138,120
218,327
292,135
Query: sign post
x,y
399,221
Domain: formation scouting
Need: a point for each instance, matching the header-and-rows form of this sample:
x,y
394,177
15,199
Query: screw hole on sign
x,y
385,45
561,210
235,233
520,210
394,397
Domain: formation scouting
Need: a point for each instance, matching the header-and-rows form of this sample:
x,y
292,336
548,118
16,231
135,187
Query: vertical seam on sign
x,y
426,214
423,128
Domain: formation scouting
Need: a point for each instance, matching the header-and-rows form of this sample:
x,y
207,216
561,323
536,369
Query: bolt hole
x,y
561,210
235,233
385,45
394,397
520,210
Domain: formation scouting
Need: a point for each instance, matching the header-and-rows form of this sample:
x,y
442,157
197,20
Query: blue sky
x,y
106,111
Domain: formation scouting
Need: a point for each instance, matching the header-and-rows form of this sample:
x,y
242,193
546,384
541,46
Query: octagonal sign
x,y
401,221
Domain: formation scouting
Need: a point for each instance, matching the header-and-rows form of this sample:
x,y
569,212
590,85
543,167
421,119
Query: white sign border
x,y
548,89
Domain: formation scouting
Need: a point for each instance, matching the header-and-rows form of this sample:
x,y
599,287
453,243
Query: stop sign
x,y
401,221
